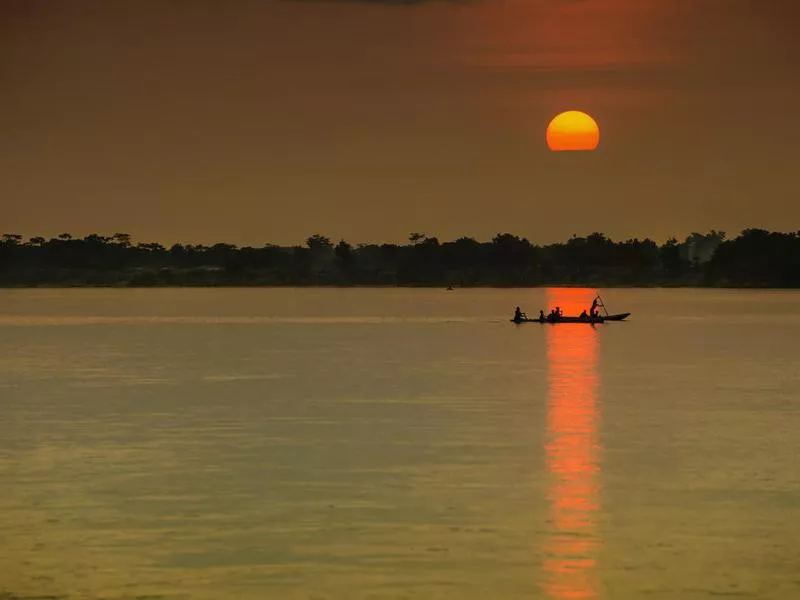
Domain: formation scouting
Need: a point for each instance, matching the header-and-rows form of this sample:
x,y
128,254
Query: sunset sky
x,y
266,121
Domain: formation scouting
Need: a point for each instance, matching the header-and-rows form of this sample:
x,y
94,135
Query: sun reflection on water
x,y
571,452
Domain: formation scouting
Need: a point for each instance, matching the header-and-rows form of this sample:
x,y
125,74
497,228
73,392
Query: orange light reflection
x,y
571,450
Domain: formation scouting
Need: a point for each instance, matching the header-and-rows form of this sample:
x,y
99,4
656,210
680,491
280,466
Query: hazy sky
x,y
267,121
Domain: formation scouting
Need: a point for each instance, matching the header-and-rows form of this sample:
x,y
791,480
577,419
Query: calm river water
x,y
395,443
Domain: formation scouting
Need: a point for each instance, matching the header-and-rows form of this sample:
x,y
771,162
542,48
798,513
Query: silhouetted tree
x,y
755,258
122,239
758,258
11,239
673,264
318,243
699,248
344,253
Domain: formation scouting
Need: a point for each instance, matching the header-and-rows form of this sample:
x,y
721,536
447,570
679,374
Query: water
x,y
388,444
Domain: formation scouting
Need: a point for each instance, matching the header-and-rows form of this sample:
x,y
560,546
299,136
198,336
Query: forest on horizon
x,y
755,258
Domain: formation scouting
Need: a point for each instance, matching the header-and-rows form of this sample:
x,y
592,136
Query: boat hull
x,y
617,317
585,321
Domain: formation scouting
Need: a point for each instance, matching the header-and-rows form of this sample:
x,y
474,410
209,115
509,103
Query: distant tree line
x,y
756,258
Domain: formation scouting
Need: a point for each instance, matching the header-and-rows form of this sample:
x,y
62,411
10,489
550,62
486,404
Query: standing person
x,y
593,311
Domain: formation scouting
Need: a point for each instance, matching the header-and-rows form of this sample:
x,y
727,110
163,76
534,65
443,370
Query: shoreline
x,y
443,287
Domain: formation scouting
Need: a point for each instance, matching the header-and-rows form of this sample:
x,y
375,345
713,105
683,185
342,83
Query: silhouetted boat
x,y
617,317
588,320
520,317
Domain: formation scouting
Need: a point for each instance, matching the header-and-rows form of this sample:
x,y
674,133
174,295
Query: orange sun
x,y
573,130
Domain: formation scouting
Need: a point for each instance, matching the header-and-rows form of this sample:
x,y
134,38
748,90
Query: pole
x,y
603,304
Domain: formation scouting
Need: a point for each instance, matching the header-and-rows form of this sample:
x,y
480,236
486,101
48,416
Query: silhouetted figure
x,y
583,316
519,315
593,310
541,315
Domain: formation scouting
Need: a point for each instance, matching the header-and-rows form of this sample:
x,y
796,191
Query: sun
x,y
573,130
